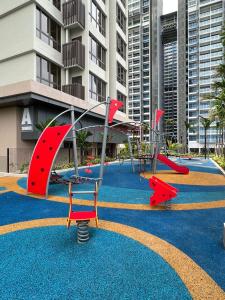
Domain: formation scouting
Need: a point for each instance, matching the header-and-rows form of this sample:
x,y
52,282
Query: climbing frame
x,y
43,158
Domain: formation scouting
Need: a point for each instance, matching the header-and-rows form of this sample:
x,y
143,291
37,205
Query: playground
x,y
139,251
149,227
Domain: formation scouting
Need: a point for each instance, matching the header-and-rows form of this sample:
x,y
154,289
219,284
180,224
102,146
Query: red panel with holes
x,y
43,157
162,191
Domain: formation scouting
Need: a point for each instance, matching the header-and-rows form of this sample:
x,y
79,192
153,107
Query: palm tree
x,y
218,97
206,122
218,114
43,124
82,143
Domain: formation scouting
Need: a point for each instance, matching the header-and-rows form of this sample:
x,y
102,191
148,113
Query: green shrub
x,y
220,160
24,168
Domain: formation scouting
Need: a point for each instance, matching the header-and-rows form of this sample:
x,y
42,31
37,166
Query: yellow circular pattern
x,y
193,178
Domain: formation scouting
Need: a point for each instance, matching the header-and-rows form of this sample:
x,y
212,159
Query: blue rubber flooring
x,y
109,266
121,185
198,233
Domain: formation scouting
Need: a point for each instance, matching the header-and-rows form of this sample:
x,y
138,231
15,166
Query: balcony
x,y
74,89
74,55
74,14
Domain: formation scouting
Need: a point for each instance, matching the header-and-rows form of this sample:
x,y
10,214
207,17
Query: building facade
x,y
169,70
205,53
144,60
55,54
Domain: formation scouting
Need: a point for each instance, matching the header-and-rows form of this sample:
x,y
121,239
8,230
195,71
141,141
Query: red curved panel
x,y
43,157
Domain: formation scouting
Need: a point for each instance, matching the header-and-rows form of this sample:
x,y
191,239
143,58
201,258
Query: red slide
x,y
173,165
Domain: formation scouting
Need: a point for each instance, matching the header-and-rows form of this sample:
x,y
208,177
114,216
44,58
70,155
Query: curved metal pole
x,y
73,124
123,123
87,111
88,127
64,112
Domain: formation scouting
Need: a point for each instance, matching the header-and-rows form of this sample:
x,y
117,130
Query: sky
x,y
169,6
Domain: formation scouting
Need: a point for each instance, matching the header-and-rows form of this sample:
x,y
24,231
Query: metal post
x,y
205,143
74,142
104,140
131,154
69,153
155,146
156,151
7,160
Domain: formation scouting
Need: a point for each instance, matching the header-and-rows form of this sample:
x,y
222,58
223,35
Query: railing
x,y
74,55
74,13
75,89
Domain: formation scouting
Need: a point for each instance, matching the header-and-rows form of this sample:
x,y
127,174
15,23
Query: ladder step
x,y
83,192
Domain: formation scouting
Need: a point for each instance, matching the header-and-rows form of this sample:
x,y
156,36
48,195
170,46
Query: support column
x,y
75,158
131,154
104,142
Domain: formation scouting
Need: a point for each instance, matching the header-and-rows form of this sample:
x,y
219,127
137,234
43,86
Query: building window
x,y
97,17
97,88
121,74
48,30
48,73
120,18
57,4
121,46
123,99
97,53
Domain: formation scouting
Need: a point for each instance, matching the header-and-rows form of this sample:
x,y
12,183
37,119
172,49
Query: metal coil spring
x,y
82,231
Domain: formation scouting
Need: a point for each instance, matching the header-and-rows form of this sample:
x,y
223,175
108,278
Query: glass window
x,y
97,17
121,18
48,30
124,3
48,73
97,88
97,53
121,47
123,99
121,74
57,4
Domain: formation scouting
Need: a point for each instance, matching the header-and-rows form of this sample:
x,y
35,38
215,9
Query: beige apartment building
x,y
55,54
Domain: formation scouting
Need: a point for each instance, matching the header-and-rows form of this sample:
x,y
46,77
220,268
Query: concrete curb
x,y
4,174
216,164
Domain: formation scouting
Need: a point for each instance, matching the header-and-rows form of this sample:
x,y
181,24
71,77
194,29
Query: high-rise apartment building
x,y
49,47
144,59
205,52
169,71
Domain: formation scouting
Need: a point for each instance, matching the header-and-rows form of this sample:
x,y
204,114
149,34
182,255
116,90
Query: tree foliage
x,y
217,112
43,124
82,143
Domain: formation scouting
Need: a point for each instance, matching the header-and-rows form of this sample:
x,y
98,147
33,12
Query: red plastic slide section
x,y
43,157
162,191
173,165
